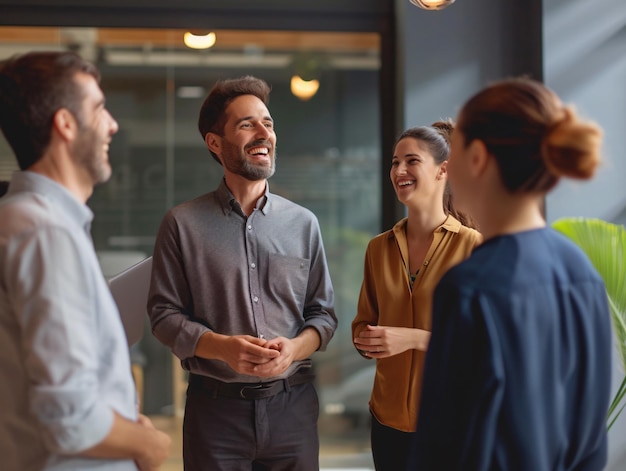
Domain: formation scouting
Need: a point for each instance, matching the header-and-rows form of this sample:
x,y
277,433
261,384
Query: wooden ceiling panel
x,y
226,39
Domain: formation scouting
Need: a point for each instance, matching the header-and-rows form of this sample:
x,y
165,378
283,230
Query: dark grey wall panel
x,y
345,15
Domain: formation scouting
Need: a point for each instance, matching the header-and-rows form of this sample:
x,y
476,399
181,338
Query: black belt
x,y
249,391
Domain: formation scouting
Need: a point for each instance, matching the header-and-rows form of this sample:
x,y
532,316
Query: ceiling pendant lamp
x,y
304,89
306,77
199,40
432,4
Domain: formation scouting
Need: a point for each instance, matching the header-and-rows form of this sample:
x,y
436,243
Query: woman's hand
x,y
379,341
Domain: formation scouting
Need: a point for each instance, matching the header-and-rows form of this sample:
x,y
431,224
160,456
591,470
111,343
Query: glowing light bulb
x,y
304,89
199,41
432,4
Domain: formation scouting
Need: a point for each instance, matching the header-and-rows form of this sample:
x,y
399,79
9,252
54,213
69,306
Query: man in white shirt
x,y
69,401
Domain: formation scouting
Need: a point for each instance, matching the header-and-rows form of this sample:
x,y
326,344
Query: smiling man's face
x,y
248,146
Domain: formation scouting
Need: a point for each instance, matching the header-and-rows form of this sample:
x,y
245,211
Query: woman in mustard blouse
x,y
402,268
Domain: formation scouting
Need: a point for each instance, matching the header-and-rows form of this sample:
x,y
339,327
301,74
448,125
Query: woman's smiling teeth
x,y
404,183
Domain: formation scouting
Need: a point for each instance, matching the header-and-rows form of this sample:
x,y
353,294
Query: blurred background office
x,y
347,76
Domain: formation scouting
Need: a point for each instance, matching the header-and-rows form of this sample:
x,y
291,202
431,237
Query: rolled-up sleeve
x,y
319,310
169,300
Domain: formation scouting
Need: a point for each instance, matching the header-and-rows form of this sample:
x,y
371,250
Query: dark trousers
x,y
278,433
390,447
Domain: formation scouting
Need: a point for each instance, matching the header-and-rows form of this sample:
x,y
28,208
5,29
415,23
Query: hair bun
x,y
444,127
571,147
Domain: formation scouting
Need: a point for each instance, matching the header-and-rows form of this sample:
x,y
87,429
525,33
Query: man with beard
x,y
68,397
241,293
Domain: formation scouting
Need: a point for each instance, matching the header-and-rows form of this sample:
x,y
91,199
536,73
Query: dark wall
x,y
345,15
448,55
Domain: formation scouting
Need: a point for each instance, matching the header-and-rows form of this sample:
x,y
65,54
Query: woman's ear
x,y
443,170
478,156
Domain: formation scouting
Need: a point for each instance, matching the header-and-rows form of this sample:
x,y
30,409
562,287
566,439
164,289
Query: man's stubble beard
x,y
237,162
86,155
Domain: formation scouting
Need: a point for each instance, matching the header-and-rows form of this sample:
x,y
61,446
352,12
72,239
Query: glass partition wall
x,y
329,155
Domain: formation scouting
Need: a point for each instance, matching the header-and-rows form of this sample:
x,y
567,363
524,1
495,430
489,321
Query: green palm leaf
x,y
605,245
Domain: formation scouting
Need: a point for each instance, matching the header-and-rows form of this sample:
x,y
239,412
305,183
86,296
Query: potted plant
x,y
605,245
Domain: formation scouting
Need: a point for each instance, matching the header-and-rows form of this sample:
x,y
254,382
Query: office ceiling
x,y
158,47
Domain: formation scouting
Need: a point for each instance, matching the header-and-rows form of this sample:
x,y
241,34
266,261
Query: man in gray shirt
x,y
68,397
241,294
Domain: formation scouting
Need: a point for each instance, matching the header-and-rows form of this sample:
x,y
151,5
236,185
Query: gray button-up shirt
x,y
216,269
64,362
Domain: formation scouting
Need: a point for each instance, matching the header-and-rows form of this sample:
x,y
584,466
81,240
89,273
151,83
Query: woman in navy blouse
x,y
517,374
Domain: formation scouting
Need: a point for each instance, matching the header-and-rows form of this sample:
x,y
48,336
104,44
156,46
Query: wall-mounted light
x,y
432,4
304,89
199,41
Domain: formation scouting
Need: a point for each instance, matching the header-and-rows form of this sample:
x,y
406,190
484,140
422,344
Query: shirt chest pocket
x,y
289,276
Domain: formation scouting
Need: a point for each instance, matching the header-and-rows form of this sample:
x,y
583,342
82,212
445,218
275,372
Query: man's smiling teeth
x,y
406,182
258,150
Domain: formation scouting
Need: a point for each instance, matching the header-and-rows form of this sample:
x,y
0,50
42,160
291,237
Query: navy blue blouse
x,y
517,374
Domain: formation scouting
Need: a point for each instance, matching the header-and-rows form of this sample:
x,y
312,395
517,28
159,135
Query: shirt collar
x,y
451,224
33,182
229,203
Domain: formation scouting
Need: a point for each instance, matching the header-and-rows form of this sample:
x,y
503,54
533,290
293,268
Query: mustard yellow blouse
x,y
386,298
